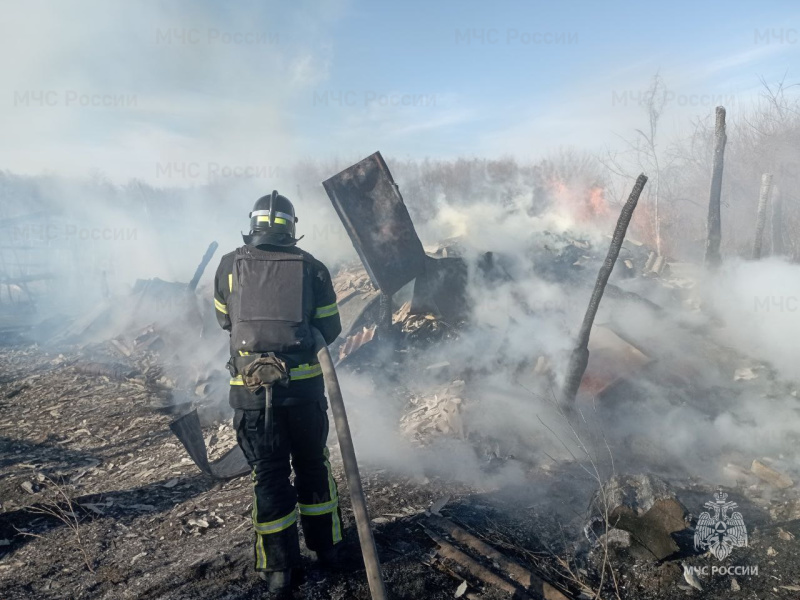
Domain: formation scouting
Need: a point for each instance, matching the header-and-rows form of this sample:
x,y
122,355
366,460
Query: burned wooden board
x,y
375,217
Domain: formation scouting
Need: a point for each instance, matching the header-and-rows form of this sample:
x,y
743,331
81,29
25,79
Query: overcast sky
x,y
175,92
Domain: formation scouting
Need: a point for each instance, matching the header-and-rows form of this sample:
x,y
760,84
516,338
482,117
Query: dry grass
x,y
590,464
62,508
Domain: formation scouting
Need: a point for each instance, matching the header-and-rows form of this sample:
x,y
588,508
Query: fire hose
x,y
369,550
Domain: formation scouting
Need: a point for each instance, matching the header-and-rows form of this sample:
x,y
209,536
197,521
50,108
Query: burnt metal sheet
x,y
375,217
356,341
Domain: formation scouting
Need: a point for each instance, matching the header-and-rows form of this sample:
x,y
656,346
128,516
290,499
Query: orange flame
x,y
584,204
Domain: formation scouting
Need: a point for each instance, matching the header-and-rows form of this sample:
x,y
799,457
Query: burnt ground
x,y
99,500
142,506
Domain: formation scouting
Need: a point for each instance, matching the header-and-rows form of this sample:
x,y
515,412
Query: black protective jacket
x,y
318,308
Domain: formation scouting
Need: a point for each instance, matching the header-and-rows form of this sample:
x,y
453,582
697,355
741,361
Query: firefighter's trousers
x,y
296,440
297,433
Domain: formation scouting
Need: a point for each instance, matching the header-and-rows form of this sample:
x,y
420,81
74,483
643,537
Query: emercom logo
x,y
720,533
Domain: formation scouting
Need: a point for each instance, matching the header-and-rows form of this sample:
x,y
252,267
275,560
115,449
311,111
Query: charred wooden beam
x,y
212,247
524,577
448,550
761,214
714,224
580,355
117,372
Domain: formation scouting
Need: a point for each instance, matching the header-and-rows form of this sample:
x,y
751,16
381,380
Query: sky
x,y
180,93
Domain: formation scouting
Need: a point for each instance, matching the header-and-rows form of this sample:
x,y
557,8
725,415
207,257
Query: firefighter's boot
x,y
329,557
279,583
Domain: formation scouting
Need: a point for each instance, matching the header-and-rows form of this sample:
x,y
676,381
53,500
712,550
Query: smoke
x,y
97,235
374,413
687,414
759,305
684,416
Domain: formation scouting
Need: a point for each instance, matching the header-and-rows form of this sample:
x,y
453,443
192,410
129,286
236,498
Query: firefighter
x,y
269,294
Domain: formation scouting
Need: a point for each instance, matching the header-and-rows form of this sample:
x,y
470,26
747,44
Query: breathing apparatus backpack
x,y
270,306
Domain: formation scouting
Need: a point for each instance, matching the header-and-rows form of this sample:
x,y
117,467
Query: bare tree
x,y
655,102
644,152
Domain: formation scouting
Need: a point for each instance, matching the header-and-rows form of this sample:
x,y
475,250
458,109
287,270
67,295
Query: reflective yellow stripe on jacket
x,y
326,311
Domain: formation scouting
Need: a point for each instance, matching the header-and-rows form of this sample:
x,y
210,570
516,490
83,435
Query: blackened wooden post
x,y
713,258
777,223
761,214
212,247
580,355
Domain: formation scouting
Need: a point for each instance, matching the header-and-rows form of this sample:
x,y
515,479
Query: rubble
x,y
436,414
770,475
691,578
357,299
350,280
616,537
112,371
523,577
646,508
611,361
475,568
425,329
744,374
356,341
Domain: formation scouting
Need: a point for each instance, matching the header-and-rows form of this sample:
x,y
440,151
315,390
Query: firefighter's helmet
x,y
272,221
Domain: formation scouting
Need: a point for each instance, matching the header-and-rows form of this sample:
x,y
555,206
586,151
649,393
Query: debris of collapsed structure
x,y
436,414
515,578
122,354
640,512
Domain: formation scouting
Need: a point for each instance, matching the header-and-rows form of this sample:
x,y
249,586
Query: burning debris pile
x,y
644,519
452,357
